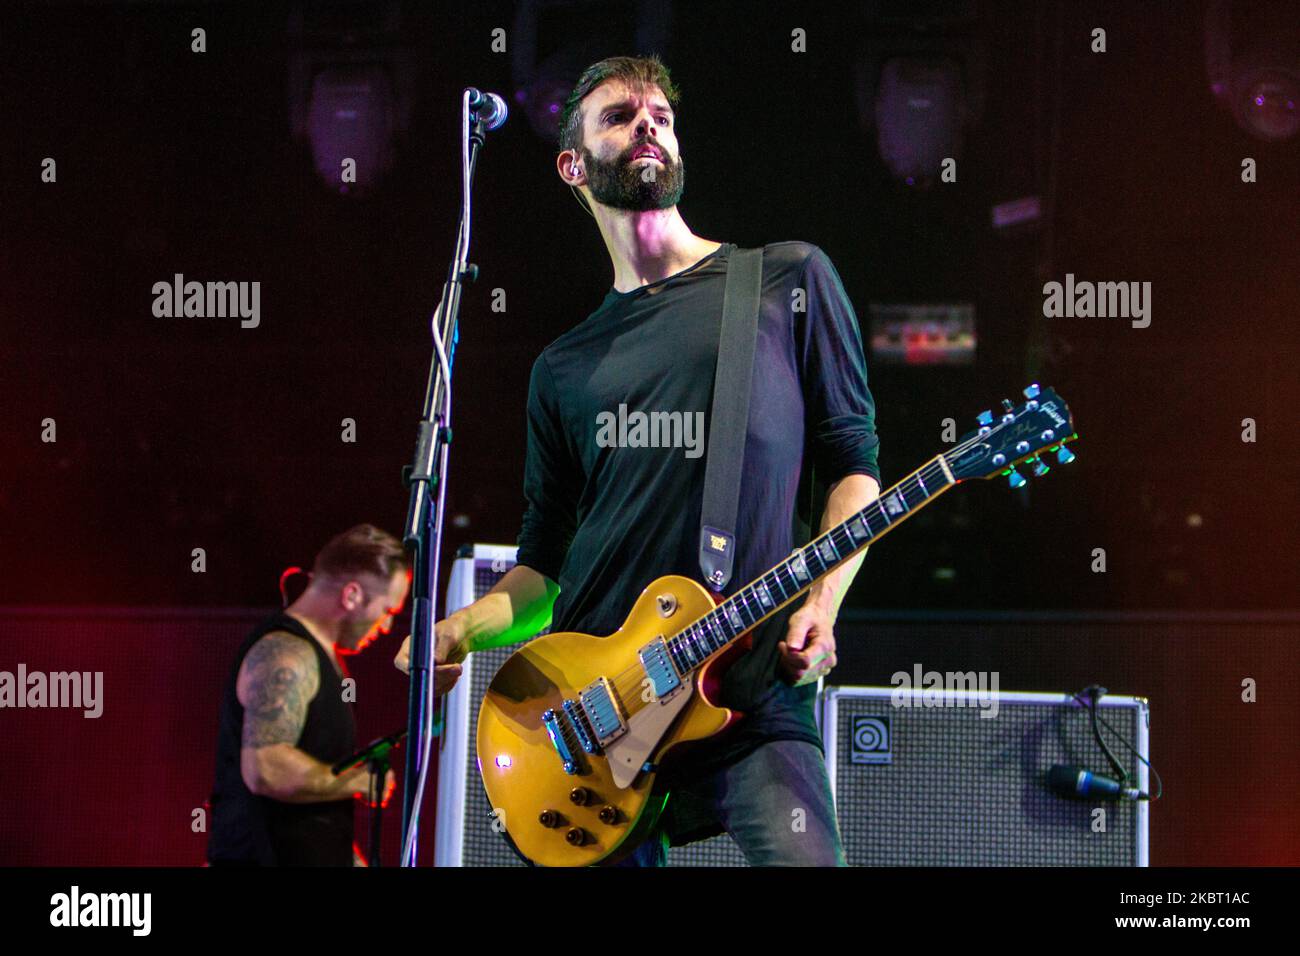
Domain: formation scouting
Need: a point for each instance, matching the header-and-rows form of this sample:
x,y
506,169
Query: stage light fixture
x,y
351,90
918,111
919,84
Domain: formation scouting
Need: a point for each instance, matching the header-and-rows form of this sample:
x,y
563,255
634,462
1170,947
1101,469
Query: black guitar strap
x,y
729,420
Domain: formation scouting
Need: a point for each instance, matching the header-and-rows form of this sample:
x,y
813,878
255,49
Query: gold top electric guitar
x,y
573,727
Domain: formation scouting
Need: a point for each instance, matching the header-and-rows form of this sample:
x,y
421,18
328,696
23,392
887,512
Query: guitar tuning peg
x,y
1032,391
1064,456
1040,467
985,417
1016,479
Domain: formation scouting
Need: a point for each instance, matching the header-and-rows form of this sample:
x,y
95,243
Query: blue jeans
x,y
775,802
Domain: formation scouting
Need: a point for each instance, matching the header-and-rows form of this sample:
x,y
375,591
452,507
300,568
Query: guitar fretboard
x,y
766,595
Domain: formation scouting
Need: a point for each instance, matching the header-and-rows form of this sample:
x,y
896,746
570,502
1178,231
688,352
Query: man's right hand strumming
x,y
516,608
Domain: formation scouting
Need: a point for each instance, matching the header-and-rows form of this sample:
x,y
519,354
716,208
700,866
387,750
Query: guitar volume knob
x,y
576,836
608,815
548,818
580,796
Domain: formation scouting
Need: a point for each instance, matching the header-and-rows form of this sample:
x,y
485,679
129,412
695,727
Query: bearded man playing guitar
x,y
601,522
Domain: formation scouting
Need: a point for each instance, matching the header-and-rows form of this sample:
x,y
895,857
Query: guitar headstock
x,y
1020,434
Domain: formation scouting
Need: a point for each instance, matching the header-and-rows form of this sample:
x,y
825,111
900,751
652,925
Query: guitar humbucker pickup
x,y
659,671
602,710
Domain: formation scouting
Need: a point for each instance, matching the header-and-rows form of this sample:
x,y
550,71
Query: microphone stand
x,y
375,757
426,477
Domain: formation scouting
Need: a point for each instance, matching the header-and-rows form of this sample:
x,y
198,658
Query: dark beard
x,y
619,184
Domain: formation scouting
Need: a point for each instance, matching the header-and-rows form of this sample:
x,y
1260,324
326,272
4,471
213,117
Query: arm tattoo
x,y
282,678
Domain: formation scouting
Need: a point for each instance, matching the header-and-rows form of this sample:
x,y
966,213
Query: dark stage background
x,y
175,434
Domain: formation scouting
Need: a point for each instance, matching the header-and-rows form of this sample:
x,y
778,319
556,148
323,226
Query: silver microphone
x,y
489,107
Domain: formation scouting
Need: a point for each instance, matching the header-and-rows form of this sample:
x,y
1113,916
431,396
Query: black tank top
x,y
249,829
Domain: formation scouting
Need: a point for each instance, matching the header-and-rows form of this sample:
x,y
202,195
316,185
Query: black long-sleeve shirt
x,y
603,522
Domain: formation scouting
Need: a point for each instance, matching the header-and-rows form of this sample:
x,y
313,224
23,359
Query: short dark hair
x,y
637,72
361,549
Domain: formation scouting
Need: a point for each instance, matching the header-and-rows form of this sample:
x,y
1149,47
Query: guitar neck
x,y
760,599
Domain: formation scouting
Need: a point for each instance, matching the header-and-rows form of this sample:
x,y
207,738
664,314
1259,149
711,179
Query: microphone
x,y
489,107
1079,784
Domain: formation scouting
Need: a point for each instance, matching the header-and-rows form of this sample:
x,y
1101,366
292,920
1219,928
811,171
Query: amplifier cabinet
x,y
926,777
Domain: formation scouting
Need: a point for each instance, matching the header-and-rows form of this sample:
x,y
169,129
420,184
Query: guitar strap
x,y
729,419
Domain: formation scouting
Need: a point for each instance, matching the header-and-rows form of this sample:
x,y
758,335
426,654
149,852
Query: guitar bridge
x,y
581,727
553,722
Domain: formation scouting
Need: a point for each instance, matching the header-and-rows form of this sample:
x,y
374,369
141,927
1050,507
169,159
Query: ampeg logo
x,y
871,741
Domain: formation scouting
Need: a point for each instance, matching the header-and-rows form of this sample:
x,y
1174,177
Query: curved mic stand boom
x,y
427,475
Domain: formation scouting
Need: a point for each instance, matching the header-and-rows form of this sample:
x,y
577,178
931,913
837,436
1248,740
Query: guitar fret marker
x,y
703,636
764,599
750,616
798,568
688,654
828,553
